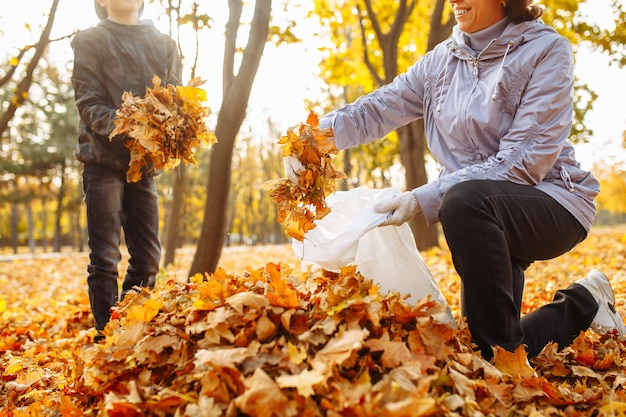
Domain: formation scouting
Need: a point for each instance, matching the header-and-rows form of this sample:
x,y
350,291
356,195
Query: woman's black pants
x,y
495,230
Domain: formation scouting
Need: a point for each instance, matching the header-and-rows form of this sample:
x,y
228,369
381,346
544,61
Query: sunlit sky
x,y
287,76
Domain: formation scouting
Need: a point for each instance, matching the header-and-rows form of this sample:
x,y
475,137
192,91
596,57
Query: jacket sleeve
x,y
376,114
533,143
95,108
175,71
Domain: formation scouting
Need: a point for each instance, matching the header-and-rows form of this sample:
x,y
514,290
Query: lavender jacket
x,y
503,113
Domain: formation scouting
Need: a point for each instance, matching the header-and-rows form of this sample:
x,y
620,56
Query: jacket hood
x,y
513,35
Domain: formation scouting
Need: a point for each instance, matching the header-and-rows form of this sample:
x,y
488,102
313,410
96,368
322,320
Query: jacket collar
x,y
512,36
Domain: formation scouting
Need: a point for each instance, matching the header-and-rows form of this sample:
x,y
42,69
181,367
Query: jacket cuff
x,y
429,199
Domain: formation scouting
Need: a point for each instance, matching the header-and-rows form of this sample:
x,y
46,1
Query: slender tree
x,y
198,22
236,93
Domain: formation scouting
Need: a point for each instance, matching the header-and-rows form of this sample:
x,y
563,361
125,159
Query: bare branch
x,y
23,86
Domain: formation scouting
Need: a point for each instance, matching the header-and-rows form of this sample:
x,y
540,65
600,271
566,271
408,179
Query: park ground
x,y
46,336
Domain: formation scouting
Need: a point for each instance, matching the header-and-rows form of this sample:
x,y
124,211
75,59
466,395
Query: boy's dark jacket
x,y
109,59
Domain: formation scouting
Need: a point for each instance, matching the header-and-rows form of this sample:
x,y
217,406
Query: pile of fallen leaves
x,y
164,127
273,342
302,201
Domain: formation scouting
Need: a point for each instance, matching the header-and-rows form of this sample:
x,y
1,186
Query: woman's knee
x,y
457,200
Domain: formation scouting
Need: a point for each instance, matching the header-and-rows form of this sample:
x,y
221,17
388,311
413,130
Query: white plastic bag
x,y
349,235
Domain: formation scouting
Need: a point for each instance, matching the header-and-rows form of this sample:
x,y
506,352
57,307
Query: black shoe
x,y
99,337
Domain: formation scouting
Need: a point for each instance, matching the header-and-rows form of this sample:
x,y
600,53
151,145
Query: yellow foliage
x,y
612,197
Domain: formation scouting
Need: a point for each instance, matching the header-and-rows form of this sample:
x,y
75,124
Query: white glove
x,y
400,209
293,167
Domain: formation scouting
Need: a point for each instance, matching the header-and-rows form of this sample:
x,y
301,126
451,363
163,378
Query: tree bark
x,y
59,211
412,151
231,115
172,233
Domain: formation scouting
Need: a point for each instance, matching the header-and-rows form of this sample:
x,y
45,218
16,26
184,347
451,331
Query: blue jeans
x,y
114,205
495,230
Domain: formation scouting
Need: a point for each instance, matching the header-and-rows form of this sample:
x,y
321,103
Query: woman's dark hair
x,y
521,10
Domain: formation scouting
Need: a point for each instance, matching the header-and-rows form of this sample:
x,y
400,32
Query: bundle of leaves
x,y
271,343
164,127
303,201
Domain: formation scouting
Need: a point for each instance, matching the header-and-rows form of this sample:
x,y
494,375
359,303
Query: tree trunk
x,y
44,223
411,136
14,222
232,113
59,212
172,233
347,169
412,150
31,228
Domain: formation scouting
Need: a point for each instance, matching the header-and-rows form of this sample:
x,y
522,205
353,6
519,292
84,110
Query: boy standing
x,y
121,53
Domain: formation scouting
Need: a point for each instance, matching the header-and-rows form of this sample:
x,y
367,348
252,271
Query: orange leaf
x,y
513,363
280,292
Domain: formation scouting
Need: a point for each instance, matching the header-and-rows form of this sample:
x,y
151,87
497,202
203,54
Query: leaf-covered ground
x,y
262,338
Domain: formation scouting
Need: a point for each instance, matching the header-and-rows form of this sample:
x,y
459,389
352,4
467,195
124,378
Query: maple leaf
x,y
413,406
513,363
264,398
338,349
303,382
432,338
395,353
296,354
464,385
280,292
150,349
162,128
144,312
265,328
227,357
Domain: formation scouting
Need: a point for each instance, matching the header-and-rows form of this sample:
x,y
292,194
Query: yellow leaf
x,y
303,382
296,354
14,366
145,312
